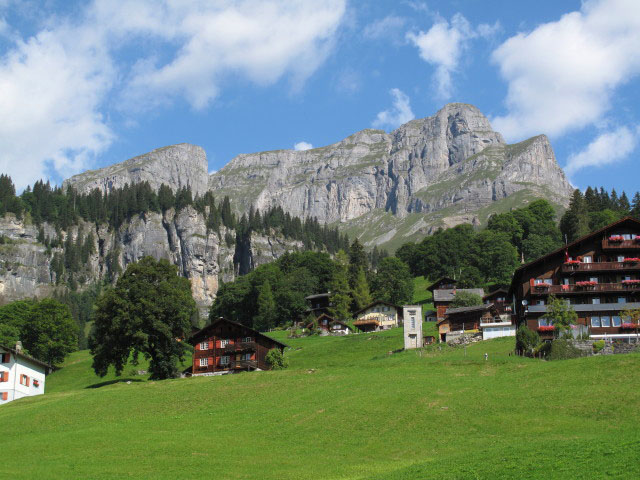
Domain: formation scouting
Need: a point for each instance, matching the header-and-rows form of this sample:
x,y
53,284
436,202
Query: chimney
x,y
18,347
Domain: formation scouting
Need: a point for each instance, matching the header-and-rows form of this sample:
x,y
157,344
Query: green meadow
x,y
352,407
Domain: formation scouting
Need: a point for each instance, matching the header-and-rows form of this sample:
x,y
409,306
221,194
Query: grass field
x,y
345,409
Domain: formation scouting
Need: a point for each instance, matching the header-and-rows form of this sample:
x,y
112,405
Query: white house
x,y
20,374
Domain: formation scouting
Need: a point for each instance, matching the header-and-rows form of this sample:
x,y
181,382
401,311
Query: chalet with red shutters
x,y
227,347
598,274
330,326
443,291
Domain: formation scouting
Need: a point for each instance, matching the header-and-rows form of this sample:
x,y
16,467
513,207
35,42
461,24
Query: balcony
x,y
608,244
237,365
600,267
544,289
239,347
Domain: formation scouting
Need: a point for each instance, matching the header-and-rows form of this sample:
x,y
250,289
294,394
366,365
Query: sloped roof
x,y
495,292
221,320
432,287
475,308
380,302
318,295
447,294
28,357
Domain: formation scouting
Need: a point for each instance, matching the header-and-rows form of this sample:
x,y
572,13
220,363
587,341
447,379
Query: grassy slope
x,y
360,413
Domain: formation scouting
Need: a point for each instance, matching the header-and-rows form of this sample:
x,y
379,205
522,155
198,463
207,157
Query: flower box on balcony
x,y
546,328
616,238
588,283
632,260
629,326
542,286
631,282
572,262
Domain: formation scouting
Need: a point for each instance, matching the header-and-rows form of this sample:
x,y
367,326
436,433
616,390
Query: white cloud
x,y
561,75
384,28
300,146
51,88
607,148
255,39
54,86
443,45
399,114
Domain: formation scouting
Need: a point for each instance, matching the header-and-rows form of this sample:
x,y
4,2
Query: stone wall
x,y
610,348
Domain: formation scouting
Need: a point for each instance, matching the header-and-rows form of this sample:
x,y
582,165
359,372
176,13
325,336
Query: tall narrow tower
x,y
412,315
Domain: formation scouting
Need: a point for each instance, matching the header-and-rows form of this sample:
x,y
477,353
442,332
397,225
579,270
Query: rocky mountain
x,y
389,188
385,188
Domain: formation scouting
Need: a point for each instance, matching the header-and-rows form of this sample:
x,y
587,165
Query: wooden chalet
x,y
225,347
378,315
319,304
330,326
598,274
444,290
500,299
462,320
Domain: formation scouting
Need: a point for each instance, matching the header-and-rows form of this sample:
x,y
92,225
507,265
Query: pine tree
x,y
340,292
361,293
575,221
266,317
357,261
635,206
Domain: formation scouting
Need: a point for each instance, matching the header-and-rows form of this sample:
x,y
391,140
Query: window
x,y
5,357
539,302
246,357
204,362
204,346
4,376
537,281
24,380
626,236
386,309
595,321
587,259
621,258
595,300
224,343
627,277
622,299
605,321
247,340
224,360
565,281
616,321
548,281
543,322
413,322
593,279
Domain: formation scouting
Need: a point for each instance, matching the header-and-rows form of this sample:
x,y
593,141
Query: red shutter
x,y
5,395
28,381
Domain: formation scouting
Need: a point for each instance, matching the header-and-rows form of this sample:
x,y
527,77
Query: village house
x,y
443,291
20,374
226,347
377,316
598,274
319,304
330,326
500,300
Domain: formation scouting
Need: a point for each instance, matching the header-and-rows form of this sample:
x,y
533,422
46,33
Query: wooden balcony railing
x,y
620,245
598,287
600,266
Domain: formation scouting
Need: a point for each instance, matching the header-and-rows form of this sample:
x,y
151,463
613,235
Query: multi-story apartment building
x,y
598,274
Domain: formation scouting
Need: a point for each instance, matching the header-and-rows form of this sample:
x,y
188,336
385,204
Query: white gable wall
x,y
15,368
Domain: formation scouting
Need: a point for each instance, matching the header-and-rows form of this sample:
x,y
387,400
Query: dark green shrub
x,y
526,340
562,350
276,359
598,345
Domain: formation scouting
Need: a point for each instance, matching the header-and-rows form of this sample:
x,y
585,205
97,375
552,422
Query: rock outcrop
x,y
177,166
452,162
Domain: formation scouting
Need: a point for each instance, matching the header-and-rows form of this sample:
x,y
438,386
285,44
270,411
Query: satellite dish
x,y
524,302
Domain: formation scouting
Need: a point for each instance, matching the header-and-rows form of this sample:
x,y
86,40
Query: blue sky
x,y
87,84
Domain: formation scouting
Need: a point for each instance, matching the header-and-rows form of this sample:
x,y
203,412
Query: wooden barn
x,y
225,347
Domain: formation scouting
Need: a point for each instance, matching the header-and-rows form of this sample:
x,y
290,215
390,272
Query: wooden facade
x,y
443,291
598,274
330,326
500,299
467,320
226,346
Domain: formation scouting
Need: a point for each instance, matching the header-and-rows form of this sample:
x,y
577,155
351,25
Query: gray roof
x,y
447,294
589,307
475,308
28,357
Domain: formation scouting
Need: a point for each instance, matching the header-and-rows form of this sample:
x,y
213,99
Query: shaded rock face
x,y
453,159
176,166
181,238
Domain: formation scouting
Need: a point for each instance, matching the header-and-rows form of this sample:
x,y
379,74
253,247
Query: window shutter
x,y
5,395
210,361
28,381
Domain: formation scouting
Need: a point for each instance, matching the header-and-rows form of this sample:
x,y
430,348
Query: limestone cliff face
x,y
176,166
453,160
181,238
